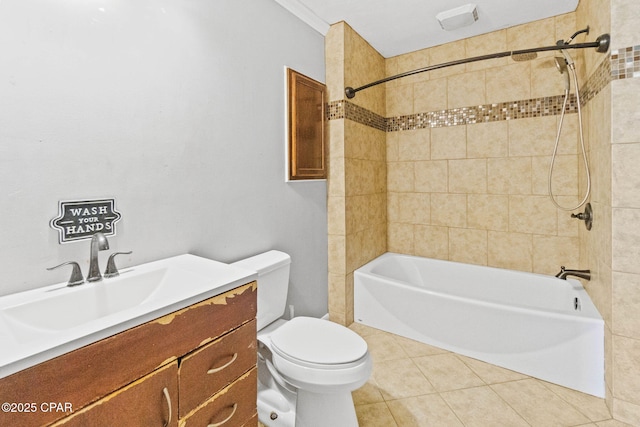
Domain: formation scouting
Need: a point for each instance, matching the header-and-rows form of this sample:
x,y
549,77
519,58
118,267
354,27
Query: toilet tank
x,y
273,283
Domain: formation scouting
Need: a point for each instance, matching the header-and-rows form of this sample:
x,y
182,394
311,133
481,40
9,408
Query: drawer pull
x,y
235,407
167,399
226,365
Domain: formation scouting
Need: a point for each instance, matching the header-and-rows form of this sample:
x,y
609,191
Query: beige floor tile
x,y
384,347
416,348
364,330
592,407
482,407
400,378
611,423
528,396
368,393
491,374
427,411
374,415
447,372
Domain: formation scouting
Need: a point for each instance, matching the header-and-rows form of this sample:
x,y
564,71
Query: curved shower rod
x,y
601,44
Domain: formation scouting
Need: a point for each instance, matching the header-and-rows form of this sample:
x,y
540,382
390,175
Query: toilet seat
x,y
318,344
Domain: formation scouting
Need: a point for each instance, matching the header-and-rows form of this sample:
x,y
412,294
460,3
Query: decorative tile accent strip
x,y
620,64
347,110
600,78
538,107
625,63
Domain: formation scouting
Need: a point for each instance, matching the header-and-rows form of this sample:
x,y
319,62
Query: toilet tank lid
x,y
265,262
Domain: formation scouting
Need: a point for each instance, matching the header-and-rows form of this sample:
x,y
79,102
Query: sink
x,y
66,308
42,323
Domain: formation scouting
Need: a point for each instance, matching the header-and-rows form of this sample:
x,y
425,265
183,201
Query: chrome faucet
x,y
98,243
582,274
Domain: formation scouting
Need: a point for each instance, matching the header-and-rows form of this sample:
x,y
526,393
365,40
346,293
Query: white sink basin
x,y
43,323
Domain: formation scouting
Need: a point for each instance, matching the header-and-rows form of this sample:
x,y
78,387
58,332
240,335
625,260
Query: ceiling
x,y
394,27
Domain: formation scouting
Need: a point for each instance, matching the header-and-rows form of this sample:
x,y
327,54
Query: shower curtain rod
x,y
601,44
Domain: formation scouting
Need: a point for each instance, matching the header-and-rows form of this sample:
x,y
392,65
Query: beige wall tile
x,y
449,209
400,176
447,53
399,100
431,241
626,300
626,376
486,44
431,176
564,179
400,238
468,176
509,175
509,83
532,137
626,110
510,250
449,142
626,175
625,15
430,95
466,89
546,80
533,215
414,145
488,212
468,246
626,240
488,140
550,252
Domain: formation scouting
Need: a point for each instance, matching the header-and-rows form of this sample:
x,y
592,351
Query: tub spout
x,y
582,274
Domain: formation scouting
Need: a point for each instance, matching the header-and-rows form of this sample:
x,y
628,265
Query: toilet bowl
x,y
307,367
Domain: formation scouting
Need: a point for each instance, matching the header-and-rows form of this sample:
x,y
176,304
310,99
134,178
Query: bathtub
x,y
534,324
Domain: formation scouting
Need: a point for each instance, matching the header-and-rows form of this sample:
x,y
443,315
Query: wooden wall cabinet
x,y
307,141
196,366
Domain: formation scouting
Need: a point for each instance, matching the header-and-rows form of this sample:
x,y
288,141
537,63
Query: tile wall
x,y
357,184
467,185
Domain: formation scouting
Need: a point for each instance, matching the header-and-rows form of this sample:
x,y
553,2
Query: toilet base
x,y
321,410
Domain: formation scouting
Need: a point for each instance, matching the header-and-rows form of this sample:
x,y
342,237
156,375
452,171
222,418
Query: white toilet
x,y
307,367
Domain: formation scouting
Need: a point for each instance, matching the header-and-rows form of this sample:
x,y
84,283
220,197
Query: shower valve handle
x,y
586,216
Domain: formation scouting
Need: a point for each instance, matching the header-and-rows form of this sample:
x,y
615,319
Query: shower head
x,y
561,65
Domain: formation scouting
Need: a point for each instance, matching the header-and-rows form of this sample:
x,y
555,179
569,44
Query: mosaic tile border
x,y
620,64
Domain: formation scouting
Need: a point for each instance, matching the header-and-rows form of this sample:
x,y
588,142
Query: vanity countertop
x,y
44,323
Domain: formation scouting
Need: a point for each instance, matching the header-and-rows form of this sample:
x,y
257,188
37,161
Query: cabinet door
x,y
150,401
307,145
235,405
213,367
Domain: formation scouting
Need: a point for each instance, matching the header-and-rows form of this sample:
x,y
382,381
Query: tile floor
x,y
414,384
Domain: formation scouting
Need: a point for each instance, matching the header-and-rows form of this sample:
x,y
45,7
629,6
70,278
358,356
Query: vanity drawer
x,y
216,365
142,403
235,405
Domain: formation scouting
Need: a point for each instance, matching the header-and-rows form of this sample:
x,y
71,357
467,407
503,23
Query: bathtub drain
x,y
576,303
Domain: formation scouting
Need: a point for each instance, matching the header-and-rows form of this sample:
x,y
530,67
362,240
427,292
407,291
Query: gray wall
x,y
175,108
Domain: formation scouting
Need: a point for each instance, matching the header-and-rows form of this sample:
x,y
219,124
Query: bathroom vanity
x,y
190,367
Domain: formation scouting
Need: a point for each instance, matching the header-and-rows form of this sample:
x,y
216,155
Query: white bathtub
x,y
534,324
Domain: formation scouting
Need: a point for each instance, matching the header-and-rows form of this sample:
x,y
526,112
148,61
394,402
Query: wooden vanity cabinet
x,y
152,374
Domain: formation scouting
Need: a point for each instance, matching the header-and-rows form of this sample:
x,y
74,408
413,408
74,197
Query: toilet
x,y
307,367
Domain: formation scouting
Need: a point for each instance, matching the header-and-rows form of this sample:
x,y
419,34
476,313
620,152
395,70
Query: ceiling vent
x,y
458,17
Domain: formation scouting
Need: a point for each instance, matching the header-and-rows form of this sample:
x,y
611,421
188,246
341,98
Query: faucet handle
x,y
112,270
76,274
